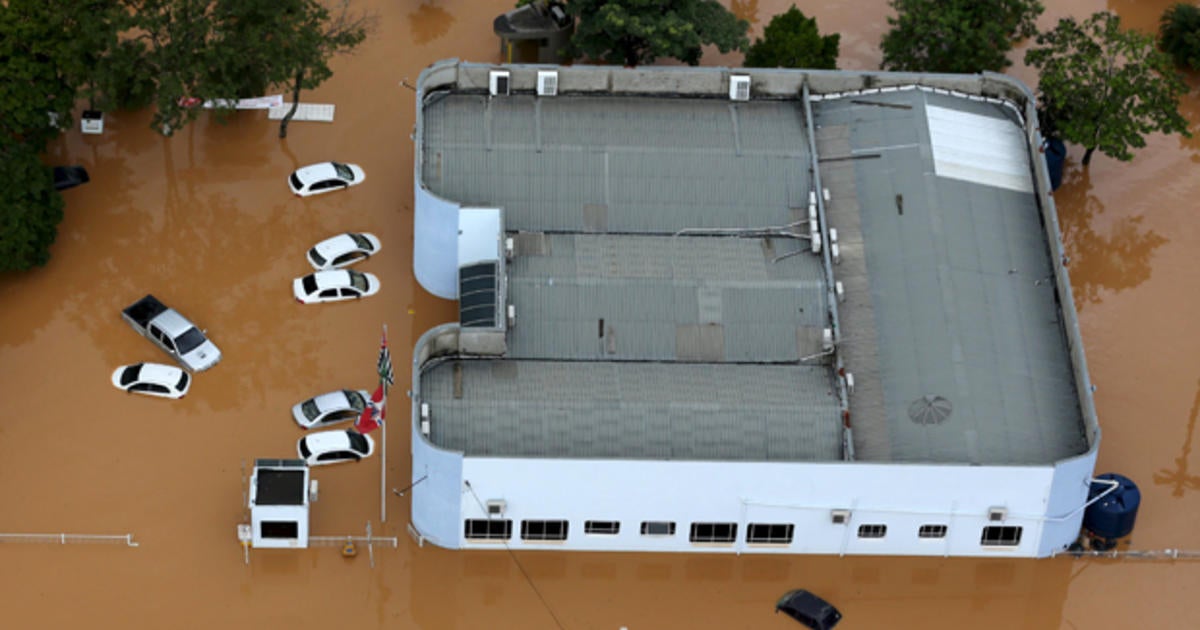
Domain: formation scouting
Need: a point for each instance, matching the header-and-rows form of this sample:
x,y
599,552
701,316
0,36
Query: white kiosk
x,y
279,500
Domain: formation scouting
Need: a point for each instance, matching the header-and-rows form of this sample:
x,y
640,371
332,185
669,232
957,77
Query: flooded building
x,y
721,310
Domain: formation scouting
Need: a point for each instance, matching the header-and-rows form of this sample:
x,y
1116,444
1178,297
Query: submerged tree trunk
x,y
283,124
1087,156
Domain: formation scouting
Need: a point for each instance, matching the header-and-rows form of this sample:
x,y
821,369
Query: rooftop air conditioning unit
x,y
425,427
827,339
835,252
498,82
739,88
496,507
840,290
839,517
849,383
997,514
510,248
512,316
547,83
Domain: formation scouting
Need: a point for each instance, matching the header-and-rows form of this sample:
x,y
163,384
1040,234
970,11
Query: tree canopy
x,y
30,208
960,36
1106,88
1179,34
636,32
791,40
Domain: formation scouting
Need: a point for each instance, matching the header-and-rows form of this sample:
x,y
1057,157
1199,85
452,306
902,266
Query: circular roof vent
x,y
930,409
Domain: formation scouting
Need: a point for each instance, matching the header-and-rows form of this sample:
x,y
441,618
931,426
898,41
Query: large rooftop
x,y
670,307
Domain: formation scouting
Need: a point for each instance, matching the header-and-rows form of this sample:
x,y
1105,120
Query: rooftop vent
x,y
739,88
496,507
930,409
547,83
839,517
498,81
997,514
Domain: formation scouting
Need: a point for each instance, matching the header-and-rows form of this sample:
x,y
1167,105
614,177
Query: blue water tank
x,y
1113,516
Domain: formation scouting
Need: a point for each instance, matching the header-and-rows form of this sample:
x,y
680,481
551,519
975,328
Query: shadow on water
x,y
1101,260
429,22
1178,478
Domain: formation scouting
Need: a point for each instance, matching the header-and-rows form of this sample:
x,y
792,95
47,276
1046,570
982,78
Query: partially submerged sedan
x,y
332,408
342,250
334,447
334,286
325,177
152,379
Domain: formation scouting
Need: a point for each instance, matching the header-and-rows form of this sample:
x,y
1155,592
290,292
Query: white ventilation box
x,y
832,235
839,517
849,383
498,82
827,339
424,411
547,83
739,88
512,316
825,192
496,507
425,427
314,491
835,252
509,248
840,290
816,241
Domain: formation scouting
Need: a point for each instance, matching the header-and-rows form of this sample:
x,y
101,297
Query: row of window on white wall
x,y
712,533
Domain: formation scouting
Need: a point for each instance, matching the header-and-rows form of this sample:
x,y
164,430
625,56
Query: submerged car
x,y
152,379
334,447
69,177
334,286
325,177
342,250
808,609
331,408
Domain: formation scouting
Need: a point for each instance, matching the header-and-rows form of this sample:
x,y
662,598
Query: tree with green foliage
x,y
636,32
30,207
1106,88
957,36
791,40
1179,34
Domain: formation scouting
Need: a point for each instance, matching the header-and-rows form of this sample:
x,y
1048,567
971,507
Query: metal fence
x,y
68,539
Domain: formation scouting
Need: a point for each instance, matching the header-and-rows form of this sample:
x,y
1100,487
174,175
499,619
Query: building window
x,y
543,530
658,528
1001,536
932,531
713,532
872,531
770,533
279,529
610,528
488,529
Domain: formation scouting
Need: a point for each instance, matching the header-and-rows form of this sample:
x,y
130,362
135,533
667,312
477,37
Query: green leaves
x,y
1179,33
958,36
1106,88
30,208
791,40
636,32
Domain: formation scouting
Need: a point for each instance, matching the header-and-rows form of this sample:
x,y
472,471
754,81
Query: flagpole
x,y
383,467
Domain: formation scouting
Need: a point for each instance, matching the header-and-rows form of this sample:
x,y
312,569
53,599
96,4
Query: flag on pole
x,y
373,415
385,362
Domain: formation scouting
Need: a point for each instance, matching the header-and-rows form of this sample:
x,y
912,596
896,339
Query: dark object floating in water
x,y
69,177
808,609
1112,517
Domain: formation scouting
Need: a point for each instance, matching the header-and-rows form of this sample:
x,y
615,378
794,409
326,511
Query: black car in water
x,y
808,609
69,177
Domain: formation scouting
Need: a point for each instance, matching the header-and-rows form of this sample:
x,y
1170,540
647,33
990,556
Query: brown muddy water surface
x,y
204,220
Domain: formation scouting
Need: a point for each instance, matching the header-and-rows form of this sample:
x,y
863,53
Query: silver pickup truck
x,y
171,332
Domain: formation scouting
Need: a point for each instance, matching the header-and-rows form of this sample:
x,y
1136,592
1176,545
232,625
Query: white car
x,y
342,250
334,286
325,177
152,379
331,408
334,447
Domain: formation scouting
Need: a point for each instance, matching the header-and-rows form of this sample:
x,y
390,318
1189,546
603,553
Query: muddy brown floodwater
x,y
204,221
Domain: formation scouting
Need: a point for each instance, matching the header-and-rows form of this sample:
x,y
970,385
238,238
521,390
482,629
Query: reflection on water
x,y
1101,259
745,10
429,22
1178,478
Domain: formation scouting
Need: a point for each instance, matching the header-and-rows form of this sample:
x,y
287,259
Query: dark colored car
x,y
808,609
69,177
